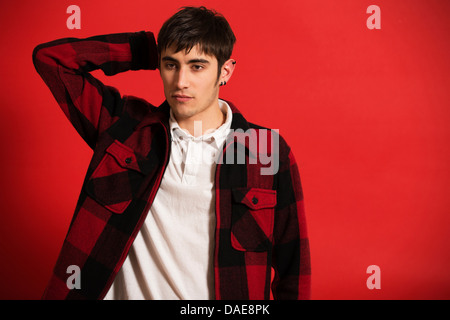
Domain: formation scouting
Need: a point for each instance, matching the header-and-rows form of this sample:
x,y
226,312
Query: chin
x,y
182,110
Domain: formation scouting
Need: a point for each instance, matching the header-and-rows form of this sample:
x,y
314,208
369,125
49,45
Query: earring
x,y
223,83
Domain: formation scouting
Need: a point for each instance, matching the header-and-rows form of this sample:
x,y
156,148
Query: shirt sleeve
x,y
66,64
291,253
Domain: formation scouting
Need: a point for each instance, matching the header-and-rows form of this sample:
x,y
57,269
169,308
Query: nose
x,y
183,79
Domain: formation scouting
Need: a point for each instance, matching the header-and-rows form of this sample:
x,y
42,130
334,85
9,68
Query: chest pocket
x,y
252,219
115,181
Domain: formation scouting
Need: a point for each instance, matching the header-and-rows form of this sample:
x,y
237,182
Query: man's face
x,y
190,82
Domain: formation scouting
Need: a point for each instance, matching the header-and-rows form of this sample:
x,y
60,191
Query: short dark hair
x,y
192,26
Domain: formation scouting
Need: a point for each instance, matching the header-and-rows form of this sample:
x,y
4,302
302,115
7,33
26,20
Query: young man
x,y
178,201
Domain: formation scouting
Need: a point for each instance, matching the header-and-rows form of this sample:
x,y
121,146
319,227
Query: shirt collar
x,y
216,137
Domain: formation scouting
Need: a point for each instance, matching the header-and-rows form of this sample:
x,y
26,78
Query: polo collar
x,y
213,136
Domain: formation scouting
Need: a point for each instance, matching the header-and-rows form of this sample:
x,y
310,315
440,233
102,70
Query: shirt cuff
x,y
144,53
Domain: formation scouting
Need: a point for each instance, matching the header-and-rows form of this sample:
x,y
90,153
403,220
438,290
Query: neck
x,y
209,119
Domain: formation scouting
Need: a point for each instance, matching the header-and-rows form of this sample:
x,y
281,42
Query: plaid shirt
x,y
260,218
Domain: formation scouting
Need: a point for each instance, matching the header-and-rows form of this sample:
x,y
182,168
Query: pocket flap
x,y
255,198
124,155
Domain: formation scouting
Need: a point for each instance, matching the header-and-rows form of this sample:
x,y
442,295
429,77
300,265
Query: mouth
x,y
182,97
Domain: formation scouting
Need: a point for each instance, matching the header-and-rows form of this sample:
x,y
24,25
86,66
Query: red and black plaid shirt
x,y
130,140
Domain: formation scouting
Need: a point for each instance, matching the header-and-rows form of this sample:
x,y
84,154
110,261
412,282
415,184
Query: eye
x,y
170,66
197,67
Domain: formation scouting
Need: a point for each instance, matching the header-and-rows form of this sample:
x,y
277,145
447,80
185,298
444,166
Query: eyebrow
x,y
167,58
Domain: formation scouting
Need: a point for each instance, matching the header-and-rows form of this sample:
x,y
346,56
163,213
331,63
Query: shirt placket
x,y
193,160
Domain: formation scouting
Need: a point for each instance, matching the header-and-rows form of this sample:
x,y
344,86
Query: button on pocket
x,y
252,219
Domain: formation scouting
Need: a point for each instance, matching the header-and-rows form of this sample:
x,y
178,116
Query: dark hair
x,y
193,26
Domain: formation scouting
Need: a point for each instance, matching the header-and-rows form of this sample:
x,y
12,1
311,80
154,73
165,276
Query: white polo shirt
x,y
172,255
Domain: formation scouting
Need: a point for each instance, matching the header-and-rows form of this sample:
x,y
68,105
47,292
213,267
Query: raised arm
x,y
65,67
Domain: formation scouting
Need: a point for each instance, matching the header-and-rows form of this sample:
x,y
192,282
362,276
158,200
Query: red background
x,y
365,111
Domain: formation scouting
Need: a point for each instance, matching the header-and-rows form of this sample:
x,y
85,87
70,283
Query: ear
x,y
227,70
